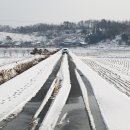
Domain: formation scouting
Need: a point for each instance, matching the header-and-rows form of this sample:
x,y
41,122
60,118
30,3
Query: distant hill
x,y
83,33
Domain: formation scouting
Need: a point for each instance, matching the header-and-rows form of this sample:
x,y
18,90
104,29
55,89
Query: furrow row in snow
x,y
112,77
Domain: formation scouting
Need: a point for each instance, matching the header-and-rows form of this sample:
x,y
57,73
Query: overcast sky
x,y
24,12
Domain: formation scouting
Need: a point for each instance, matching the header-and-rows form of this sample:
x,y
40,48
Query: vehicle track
x,y
22,120
74,115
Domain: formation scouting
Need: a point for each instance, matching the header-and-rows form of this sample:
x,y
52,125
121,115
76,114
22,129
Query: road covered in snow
x,y
68,92
16,92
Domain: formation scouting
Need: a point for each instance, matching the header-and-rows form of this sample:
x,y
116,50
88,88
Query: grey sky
x,y
24,12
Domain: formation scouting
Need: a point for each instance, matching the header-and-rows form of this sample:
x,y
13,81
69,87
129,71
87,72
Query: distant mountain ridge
x,y
83,33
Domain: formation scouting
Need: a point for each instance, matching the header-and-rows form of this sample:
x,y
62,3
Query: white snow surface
x,y
15,93
86,100
11,63
6,61
17,37
114,105
45,100
12,55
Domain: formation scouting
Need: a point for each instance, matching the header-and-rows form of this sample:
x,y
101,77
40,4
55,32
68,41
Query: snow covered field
x,y
109,74
112,65
12,55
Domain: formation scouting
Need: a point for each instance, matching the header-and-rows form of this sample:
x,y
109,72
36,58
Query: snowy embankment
x,y
15,93
11,70
17,61
113,104
55,110
7,61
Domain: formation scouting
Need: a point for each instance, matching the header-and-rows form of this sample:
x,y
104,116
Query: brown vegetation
x,y
8,74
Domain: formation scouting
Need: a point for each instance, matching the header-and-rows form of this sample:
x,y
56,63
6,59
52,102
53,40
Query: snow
x,y
53,114
12,55
120,66
113,104
5,61
109,44
15,93
12,62
86,101
102,53
48,95
17,37
112,65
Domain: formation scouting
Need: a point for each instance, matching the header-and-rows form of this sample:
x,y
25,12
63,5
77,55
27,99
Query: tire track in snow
x,y
23,119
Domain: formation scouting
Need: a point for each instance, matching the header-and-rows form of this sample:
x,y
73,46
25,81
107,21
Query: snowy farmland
x,y
14,61
112,65
11,55
89,87
108,71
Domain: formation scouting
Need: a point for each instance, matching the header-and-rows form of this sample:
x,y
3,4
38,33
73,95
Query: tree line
x,y
92,30
107,30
